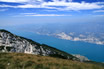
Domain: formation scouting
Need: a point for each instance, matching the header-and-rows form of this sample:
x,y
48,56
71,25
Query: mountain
x,y
13,43
91,32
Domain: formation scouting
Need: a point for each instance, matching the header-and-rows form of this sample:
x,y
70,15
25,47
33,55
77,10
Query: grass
x,y
29,61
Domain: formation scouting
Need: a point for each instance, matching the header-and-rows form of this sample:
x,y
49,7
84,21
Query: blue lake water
x,y
91,51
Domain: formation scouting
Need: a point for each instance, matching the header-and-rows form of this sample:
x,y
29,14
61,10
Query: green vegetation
x,y
29,61
58,52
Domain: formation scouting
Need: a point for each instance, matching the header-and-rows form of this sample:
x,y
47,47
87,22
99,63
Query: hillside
x,y
13,43
29,61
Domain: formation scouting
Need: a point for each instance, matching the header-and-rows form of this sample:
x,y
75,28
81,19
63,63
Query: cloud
x,y
1,10
74,5
56,5
17,1
21,1
35,14
98,11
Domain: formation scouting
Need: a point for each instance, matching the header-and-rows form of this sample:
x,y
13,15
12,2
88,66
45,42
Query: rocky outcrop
x,y
81,58
13,43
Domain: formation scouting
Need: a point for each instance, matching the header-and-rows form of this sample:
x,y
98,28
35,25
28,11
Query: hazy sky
x,y
18,12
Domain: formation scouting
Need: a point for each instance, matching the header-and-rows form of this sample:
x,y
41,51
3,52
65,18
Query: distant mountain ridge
x,y
13,43
85,32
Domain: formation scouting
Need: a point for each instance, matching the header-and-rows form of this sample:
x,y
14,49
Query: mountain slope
x,y
12,43
29,61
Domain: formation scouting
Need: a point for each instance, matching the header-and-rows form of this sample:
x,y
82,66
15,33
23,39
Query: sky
x,y
18,12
